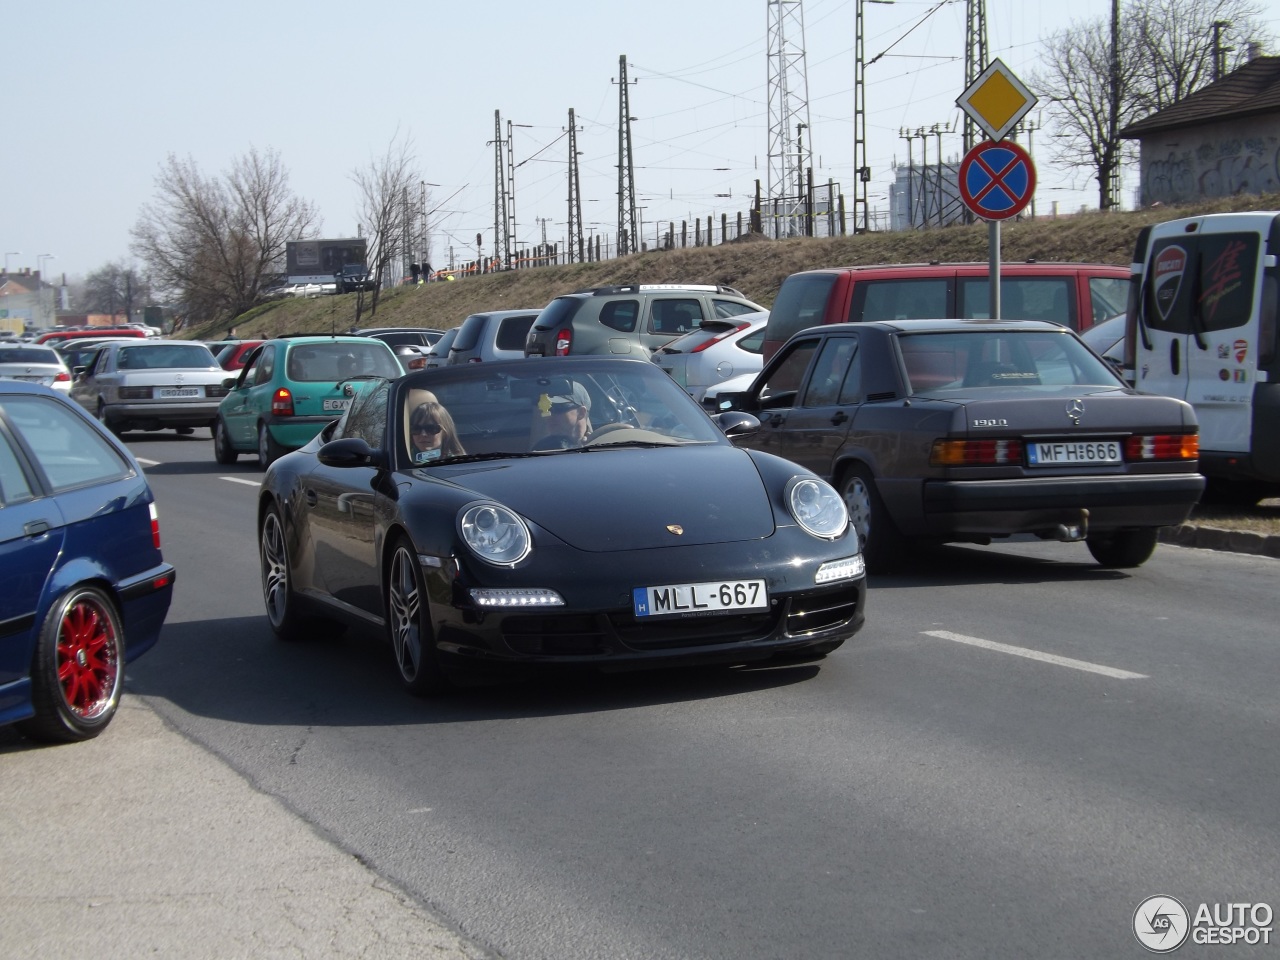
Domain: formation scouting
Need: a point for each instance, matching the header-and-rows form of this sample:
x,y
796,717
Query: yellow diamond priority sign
x,y
997,100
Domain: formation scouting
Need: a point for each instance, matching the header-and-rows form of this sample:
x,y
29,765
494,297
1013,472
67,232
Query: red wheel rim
x,y
88,659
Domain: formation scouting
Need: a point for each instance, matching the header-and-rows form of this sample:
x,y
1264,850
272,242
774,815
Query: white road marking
x,y
252,483
1037,655
148,463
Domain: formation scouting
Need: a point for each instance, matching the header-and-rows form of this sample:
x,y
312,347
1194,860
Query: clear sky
x,y
100,92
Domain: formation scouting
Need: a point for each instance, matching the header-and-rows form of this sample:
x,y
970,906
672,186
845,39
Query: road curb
x,y
1217,538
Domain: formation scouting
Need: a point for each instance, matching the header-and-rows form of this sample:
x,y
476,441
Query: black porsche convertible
x,y
557,511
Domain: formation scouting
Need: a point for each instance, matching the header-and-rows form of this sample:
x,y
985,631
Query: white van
x,y
1202,327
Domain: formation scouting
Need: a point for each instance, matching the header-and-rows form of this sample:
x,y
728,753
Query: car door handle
x,y
312,499
36,528
1175,357
776,419
838,418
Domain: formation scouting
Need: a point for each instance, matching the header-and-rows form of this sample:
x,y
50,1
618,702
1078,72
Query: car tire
x,y
409,623
883,547
277,578
111,425
268,450
1123,548
77,672
223,451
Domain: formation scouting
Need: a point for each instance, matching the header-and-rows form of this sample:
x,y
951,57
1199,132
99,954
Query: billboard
x,y
316,261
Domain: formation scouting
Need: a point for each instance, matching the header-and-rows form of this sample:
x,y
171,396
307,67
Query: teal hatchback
x,y
290,388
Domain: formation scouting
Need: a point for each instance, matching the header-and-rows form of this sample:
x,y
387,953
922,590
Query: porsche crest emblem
x,y
675,528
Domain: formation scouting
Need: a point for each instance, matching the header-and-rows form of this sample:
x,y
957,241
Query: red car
x,y
234,355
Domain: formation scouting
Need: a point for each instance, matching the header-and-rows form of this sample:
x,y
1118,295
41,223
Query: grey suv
x,y
492,335
634,319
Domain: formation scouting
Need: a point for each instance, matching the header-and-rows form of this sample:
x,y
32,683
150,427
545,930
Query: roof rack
x,y
655,287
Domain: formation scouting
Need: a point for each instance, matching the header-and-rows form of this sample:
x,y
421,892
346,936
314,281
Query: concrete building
x,y
25,297
1222,140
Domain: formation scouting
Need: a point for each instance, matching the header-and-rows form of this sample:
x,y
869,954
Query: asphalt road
x,y
1017,750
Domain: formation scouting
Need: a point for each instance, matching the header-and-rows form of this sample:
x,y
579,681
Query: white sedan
x,y
35,364
718,350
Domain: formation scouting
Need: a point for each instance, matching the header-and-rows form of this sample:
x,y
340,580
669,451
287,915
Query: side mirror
x,y
350,452
230,382
735,423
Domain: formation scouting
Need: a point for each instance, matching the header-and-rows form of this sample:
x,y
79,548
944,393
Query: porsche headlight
x,y
495,534
817,507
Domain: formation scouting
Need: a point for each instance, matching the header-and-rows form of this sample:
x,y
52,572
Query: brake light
x,y
1163,446
975,453
62,377
714,340
564,340
155,524
282,402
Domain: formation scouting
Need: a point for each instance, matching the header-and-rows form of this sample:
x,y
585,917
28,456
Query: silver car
x,y
152,385
718,350
34,364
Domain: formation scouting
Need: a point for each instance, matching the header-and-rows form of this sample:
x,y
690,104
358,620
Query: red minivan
x,y
1076,295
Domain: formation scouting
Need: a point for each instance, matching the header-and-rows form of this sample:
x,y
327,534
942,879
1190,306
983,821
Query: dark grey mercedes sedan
x,y
970,430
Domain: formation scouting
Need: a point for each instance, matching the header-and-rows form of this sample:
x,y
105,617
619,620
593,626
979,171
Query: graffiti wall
x,y
1213,160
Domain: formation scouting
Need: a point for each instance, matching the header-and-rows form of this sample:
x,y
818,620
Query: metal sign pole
x,y
993,241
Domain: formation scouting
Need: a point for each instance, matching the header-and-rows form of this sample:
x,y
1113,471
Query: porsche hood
x,y
631,499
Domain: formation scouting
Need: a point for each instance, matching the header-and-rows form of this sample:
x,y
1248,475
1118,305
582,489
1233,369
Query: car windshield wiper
x,y
603,444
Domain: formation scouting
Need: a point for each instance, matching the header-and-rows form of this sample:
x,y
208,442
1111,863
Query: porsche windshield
x,y
545,407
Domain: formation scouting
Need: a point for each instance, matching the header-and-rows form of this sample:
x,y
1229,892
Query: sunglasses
x,y
431,428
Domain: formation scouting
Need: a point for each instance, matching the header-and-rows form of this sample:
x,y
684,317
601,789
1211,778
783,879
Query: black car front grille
x,y
567,635
556,636
677,632
822,611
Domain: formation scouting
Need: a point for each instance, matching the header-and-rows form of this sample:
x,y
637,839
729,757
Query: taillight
x,y
62,377
282,402
564,340
155,524
975,453
1163,446
714,340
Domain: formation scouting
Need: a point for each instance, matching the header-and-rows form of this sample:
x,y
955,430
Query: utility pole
x,y
975,61
788,95
925,190
626,167
1219,51
937,132
861,170
1111,156
501,233
907,135
575,196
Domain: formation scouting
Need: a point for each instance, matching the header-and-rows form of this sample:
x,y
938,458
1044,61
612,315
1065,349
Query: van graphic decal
x,y
1169,266
1242,350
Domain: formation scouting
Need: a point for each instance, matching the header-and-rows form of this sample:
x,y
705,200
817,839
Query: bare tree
x,y
1163,51
386,186
112,288
1175,45
214,243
